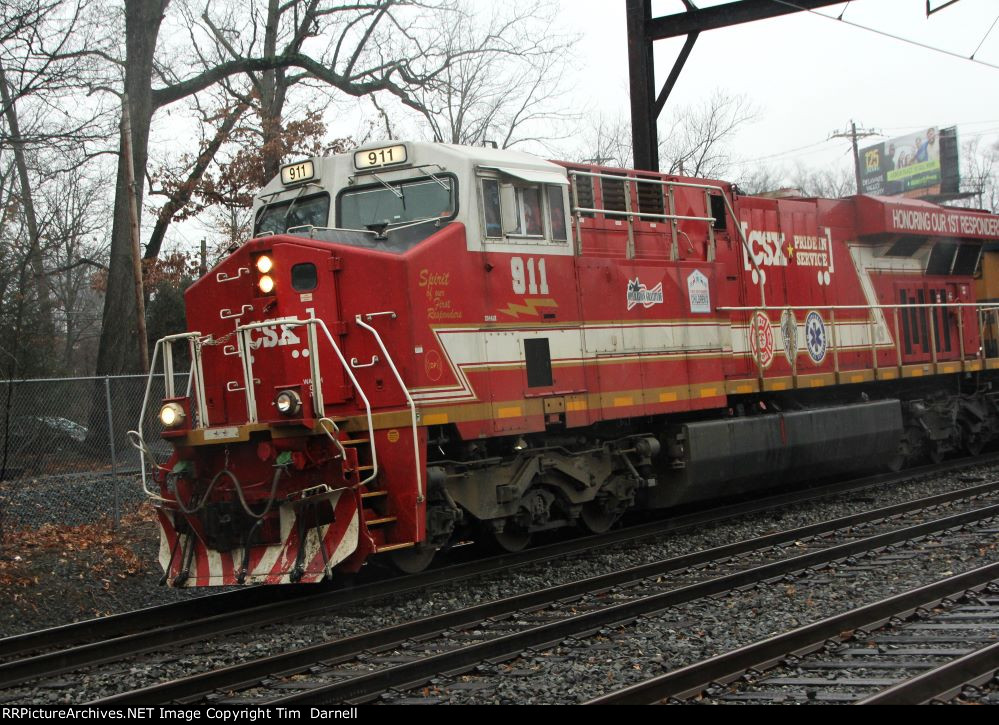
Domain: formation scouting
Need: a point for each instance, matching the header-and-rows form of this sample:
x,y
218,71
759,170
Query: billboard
x,y
907,165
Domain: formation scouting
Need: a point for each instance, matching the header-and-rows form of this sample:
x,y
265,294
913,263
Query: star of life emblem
x,y
815,337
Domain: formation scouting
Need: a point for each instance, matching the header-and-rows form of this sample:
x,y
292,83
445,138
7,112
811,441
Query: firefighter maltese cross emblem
x,y
815,337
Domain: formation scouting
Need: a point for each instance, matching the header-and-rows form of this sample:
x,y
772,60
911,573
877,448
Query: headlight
x,y
266,284
288,402
264,264
171,415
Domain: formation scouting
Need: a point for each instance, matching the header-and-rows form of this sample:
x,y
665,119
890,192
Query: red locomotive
x,y
426,343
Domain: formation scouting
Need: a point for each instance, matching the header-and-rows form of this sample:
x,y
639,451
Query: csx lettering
x,y
767,248
271,338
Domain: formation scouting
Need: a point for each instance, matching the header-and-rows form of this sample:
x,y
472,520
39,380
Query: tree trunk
x,y
273,90
118,352
34,254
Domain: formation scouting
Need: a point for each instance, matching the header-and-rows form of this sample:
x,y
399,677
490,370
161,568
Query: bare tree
x,y
46,58
760,179
181,188
980,175
825,182
606,140
695,140
505,84
74,238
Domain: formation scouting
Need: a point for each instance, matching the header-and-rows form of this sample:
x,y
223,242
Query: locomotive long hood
x,y
884,216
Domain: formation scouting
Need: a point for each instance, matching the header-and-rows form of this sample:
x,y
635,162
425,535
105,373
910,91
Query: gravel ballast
x,y
141,590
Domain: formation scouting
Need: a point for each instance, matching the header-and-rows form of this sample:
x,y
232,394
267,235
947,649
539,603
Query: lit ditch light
x,y
288,403
172,415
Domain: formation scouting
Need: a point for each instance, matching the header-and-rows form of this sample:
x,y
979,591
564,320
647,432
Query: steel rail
x,y
258,599
693,679
941,683
139,619
363,686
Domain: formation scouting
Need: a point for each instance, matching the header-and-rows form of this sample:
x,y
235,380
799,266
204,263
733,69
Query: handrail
x,y
672,217
166,343
780,308
405,390
981,309
317,391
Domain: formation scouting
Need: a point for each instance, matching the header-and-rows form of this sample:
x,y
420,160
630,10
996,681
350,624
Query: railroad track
x,y
59,650
403,657
925,645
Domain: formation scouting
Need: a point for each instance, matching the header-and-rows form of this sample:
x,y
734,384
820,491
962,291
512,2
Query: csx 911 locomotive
x,y
424,344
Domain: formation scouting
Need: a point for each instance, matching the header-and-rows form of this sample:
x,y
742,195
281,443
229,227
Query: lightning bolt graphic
x,y
530,307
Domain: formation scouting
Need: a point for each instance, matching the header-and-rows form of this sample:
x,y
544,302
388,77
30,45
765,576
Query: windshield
x,y
304,211
397,203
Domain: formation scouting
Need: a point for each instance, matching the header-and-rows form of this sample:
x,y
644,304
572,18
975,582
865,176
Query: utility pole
x,y
853,134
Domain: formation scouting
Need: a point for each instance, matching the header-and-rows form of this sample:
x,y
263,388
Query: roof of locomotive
x,y
338,172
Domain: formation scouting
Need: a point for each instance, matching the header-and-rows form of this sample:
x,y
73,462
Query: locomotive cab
x,y
390,198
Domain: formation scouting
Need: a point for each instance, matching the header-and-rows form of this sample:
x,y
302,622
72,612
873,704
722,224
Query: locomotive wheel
x,y
974,445
413,560
908,447
594,518
974,441
511,539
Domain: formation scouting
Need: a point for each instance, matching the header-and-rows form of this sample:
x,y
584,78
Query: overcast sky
x,y
810,75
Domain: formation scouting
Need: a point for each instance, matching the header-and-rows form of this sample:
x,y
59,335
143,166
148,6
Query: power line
x,y
987,33
886,34
917,126
788,152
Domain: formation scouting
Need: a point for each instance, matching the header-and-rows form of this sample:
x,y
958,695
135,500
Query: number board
x,y
295,173
374,158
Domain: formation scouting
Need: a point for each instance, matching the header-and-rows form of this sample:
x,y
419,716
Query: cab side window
x,y
532,211
523,213
556,211
491,207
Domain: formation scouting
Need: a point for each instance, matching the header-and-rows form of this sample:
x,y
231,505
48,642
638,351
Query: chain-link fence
x,y
64,452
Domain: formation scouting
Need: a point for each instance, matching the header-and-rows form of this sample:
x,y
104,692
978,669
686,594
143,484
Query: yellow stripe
x,y
435,419
623,402
709,392
574,406
512,412
667,397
